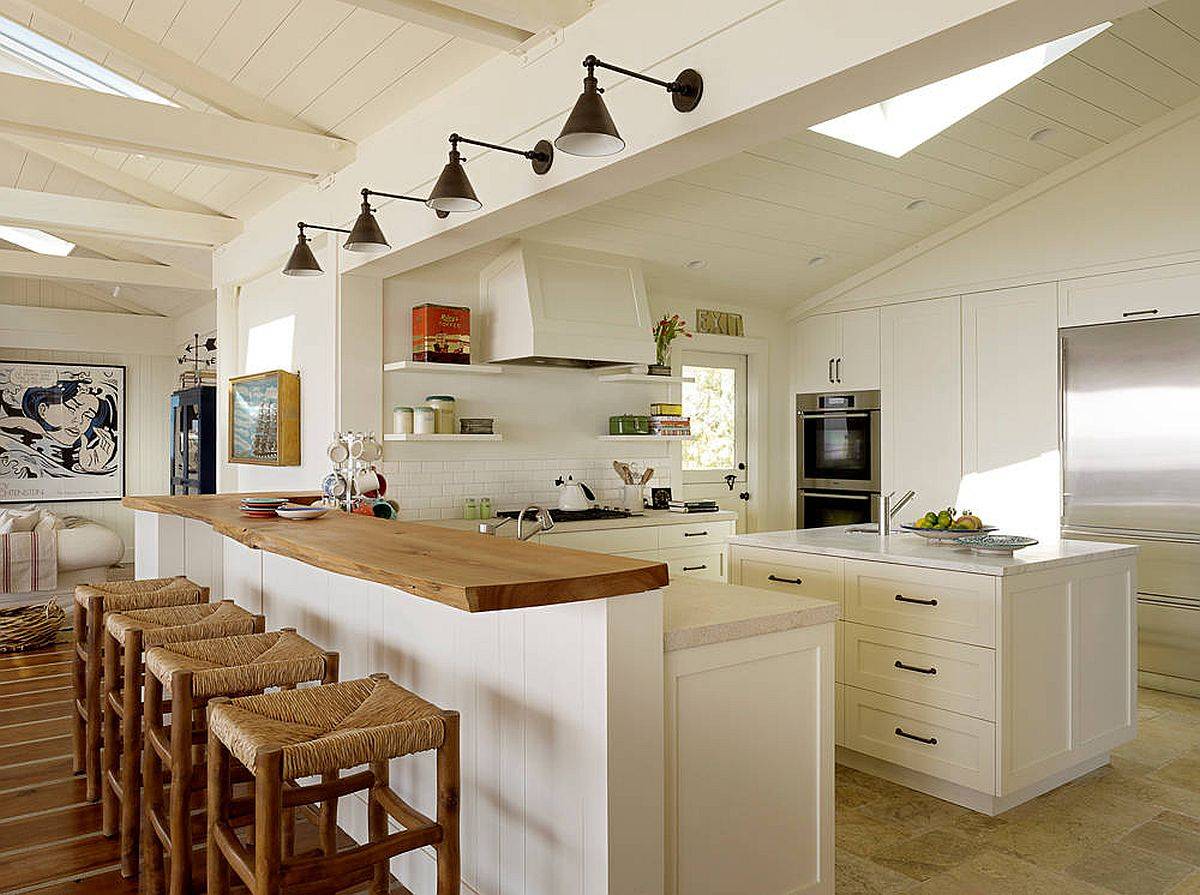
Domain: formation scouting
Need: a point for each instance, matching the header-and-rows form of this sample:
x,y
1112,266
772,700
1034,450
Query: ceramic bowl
x,y
298,511
944,535
999,544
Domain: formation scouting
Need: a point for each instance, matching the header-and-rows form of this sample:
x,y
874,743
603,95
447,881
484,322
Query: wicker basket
x,y
30,627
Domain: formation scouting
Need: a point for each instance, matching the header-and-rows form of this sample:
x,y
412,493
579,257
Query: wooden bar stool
x,y
127,636
324,730
191,674
92,601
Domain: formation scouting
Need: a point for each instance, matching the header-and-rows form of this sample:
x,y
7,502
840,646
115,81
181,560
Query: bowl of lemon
x,y
945,526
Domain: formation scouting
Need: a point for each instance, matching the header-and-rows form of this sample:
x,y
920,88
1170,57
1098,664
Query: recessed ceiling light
x,y
916,204
900,124
1042,134
37,241
696,264
817,260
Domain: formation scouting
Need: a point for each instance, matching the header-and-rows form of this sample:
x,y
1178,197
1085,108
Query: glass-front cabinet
x,y
194,440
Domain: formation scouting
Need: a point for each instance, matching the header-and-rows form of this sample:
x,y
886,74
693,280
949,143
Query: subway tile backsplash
x,y
436,489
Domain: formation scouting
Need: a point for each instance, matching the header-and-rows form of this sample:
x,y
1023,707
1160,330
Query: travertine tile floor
x,y
1132,827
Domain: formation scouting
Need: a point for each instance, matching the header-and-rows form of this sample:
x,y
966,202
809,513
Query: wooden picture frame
x,y
264,419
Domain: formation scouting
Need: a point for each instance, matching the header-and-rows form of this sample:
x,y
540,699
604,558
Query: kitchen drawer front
x,y
943,744
801,574
703,562
696,534
950,605
1148,294
610,540
839,715
946,675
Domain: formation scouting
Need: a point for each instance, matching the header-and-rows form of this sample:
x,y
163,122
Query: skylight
x,y
900,124
36,241
67,66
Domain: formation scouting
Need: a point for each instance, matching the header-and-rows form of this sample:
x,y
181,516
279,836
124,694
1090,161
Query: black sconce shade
x,y
302,262
453,191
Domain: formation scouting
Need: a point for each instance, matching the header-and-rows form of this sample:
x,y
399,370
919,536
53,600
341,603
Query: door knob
x,y
730,479
745,495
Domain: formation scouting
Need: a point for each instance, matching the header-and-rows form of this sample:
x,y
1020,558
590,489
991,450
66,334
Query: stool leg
x,y
95,629
448,860
108,758
179,824
268,819
218,797
327,818
152,792
377,824
79,681
131,753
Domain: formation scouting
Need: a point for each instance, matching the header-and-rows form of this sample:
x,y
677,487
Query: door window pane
x,y
711,402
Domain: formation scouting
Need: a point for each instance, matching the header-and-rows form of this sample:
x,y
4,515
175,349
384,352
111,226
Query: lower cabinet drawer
x,y
951,605
954,676
943,744
695,534
702,563
800,574
609,540
839,715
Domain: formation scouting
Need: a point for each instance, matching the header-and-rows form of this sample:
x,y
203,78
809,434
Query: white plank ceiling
x,y
784,221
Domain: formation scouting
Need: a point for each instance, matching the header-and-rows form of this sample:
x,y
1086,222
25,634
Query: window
x,y
716,403
36,241
900,124
54,62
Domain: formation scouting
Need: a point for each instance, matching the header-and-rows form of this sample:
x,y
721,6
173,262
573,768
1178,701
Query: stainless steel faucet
x,y
544,521
890,509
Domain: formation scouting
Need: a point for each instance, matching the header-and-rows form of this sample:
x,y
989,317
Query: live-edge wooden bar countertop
x,y
467,570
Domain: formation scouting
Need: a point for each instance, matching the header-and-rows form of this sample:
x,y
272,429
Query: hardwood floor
x,y
50,841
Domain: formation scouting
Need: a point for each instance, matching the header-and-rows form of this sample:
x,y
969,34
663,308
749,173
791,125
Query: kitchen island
x,y
981,679
561,696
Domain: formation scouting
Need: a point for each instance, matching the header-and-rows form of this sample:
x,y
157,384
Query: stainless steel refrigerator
x,y
1131,472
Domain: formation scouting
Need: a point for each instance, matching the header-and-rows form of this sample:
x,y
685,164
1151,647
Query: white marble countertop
x,y
647,518
911,550
697,612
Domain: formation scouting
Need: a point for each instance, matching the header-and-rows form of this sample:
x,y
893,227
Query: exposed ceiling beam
x,y
114,178
171,256
97,270
52,211
75,115
116,301
449,18
164,64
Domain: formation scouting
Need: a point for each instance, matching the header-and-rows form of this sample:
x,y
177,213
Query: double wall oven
x,y
837,458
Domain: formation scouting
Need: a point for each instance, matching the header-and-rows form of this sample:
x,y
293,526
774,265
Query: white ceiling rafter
x,y
51,211
451,18
166,65
58,112
97,270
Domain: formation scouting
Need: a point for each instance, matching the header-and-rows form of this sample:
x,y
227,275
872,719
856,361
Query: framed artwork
x,y
721,323
264,419
62,431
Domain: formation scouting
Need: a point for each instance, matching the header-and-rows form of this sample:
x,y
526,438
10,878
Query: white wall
x,y
1134,209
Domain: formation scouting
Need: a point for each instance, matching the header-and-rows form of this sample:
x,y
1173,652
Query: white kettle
x,y
573,495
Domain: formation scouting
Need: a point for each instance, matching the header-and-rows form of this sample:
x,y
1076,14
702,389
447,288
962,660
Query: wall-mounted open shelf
x,y
412,436
643,377
647,439
417,366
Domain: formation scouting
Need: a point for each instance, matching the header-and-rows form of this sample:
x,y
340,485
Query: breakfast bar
x,y
562,745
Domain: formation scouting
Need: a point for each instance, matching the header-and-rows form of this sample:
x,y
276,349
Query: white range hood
x,y
549,305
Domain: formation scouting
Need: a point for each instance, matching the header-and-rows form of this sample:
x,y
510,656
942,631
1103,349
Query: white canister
x,y
634,498
424,420
402,420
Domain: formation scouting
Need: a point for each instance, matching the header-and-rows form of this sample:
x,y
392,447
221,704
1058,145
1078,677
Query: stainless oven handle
x,y
837,494
822,415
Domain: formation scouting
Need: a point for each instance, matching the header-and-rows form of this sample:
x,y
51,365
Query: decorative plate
x,y
944,535
264,502
1004,544
299,511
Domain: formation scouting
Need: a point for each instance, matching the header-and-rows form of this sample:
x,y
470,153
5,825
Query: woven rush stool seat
x,y
127,636
324,730
91,603
191,673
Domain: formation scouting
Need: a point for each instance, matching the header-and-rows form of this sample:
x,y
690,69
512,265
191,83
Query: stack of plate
x,y
475,425
298,511
261,507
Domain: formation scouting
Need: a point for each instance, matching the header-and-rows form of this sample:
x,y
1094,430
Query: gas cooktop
x,y
574,515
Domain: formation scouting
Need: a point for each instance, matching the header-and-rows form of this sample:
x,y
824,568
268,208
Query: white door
x,y
921,394
714,460
818,343
856,367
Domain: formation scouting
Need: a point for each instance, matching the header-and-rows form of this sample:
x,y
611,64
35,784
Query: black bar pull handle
x,y
900,598
694,534
785,580
694,568
1140,313
928,741
918,669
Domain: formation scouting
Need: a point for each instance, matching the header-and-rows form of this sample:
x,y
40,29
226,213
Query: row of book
x,y
661,424
693,506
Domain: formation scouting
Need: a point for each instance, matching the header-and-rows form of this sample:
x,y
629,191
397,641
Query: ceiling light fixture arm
x,y
534,155
303,226
685,90
367,193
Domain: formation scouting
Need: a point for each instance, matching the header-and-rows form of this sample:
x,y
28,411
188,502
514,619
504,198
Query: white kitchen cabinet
x,y
691,549
1168,291
839,351
921,394
1010,408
